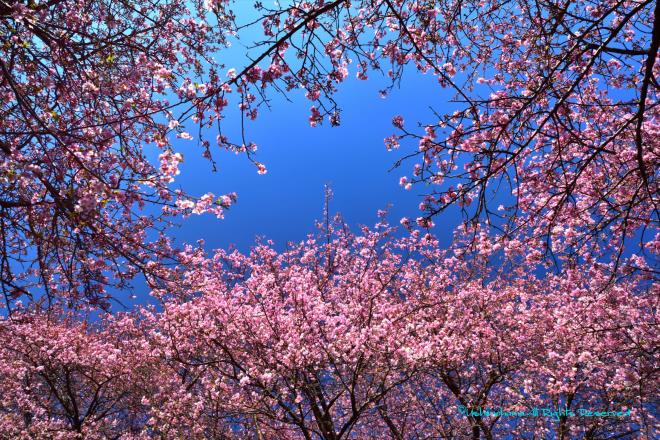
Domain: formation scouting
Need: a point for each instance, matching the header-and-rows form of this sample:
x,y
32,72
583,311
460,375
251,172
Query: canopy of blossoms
x,y
364,336
546,298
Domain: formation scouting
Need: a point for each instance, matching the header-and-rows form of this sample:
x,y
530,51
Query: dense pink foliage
x,y
365,336
85,110
555,104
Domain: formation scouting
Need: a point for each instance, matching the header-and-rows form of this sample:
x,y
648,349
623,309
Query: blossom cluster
x,y
365,335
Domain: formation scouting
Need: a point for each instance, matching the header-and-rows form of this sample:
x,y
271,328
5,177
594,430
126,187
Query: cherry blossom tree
x,y
88,90
554,119
359,336
548,300
552,134
63,378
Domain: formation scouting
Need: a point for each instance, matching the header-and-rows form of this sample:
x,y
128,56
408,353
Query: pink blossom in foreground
x,y
367,336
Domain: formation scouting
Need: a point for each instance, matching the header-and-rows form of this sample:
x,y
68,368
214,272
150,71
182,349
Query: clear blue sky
x,y
284,203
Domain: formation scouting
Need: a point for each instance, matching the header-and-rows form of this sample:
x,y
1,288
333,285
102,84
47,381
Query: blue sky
x,y
284,203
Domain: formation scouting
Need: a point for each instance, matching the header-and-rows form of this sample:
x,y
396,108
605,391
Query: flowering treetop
x,y
356,336
553,135
84,98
